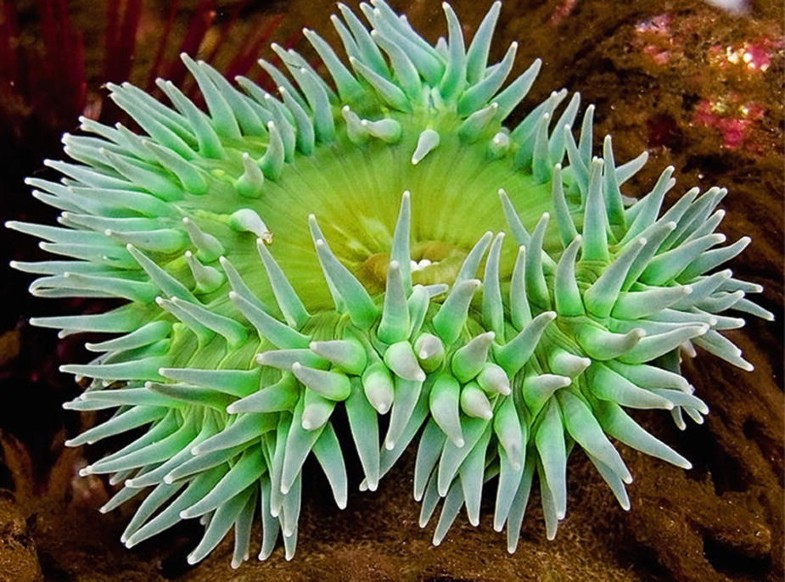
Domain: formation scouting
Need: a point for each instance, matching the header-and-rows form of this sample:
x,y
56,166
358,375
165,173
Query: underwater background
x,y
698,86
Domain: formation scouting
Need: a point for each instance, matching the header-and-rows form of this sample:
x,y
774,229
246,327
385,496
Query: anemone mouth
x,y
354,191
384,244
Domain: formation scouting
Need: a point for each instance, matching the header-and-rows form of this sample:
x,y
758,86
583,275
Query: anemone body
x,y
374,239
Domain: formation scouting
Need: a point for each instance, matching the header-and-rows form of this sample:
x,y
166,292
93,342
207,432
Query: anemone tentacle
x,y
374,239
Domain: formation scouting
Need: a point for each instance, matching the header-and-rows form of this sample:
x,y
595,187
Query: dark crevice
x,y
731,562
6,479
179,541
710,459
727,473
51,570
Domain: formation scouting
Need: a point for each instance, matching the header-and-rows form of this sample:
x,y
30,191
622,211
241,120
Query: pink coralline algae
x,y
751,57
657,36
731,116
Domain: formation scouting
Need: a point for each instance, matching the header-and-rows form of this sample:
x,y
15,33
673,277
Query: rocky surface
x,y
18,557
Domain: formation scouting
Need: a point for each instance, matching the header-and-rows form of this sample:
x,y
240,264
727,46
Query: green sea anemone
x,y
374,239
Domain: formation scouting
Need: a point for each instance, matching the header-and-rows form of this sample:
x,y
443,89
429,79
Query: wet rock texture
x,y
18,559
700,89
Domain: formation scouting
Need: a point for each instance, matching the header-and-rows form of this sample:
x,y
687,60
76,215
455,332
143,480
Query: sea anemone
x,y
374,239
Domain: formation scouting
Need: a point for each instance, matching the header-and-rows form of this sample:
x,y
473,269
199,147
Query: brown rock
x,y
18,559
